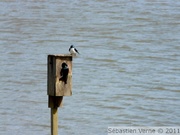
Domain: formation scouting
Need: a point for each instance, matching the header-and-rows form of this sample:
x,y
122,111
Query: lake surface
x,y
127,73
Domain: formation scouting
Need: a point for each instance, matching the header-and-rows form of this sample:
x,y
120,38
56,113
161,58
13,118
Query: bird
x,y
73,50
64,72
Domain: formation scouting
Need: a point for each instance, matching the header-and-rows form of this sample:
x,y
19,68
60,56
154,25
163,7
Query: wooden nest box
x,y
59,75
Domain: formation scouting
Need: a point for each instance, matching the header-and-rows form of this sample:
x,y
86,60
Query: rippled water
x,y
128,72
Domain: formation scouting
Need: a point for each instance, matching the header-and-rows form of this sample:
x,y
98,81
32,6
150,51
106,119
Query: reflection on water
x,y
127,74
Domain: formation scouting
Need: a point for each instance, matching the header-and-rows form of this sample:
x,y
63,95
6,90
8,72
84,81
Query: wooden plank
x,y
51,75
54,121
54,101
63,89
55,86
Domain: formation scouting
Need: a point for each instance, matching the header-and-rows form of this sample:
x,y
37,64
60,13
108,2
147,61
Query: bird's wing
x,y
61,72
76,50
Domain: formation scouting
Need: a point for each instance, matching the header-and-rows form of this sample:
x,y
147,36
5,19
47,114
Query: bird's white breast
x,y
72,51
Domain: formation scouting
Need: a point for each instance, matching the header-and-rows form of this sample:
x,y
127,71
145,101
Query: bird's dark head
x,y
72,46
64,65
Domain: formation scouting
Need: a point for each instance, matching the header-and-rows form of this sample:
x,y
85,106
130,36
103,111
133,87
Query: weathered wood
x,y
54,121
51,75
55,86
58,85
54,101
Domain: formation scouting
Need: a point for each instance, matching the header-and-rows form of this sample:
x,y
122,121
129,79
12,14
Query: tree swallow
x,y
64,72
73,50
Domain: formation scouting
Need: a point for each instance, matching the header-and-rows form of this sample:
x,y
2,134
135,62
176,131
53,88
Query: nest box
x,y
59,75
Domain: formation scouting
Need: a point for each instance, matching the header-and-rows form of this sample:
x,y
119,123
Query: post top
x,y
60,55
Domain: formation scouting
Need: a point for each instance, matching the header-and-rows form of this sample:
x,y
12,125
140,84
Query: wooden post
x,y
54,103
54,121
59,84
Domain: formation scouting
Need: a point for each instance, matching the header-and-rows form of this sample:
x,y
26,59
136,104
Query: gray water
x,y
128,72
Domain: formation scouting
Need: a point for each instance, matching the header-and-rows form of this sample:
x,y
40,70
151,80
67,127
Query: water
x,y
128,72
